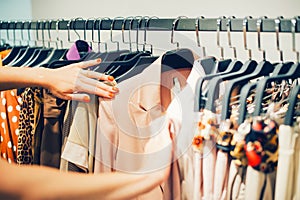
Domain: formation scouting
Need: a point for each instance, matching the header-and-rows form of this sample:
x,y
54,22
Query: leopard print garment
x,y
27,125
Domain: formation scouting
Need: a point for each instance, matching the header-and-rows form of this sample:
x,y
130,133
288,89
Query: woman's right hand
x,y
73,82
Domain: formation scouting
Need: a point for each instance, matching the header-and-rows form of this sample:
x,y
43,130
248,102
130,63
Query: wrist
x,y
42,77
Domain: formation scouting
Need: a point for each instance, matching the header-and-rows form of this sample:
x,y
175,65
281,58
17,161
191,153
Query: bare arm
x,y
35,182
69,82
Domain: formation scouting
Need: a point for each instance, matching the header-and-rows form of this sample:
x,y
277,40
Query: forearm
x,y
34,182
14,77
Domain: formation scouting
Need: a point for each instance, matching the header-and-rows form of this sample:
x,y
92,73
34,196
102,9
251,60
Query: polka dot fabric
x,y
9,122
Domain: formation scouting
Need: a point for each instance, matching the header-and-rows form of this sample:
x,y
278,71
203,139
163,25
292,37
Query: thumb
x,y
79,97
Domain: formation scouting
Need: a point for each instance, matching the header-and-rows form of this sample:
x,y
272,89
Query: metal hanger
x,y
73,22
57,33
174,25
202,48
293,30
144,60
145,34
294,95
111,32
99,42
213,68
16,51
293,73
243,69
129,32
57,53
84,31
41,54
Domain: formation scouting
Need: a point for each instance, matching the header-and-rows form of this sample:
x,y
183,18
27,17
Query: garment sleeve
x,y
79,147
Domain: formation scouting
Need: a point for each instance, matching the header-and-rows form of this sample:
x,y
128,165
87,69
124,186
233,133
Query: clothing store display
x,y
234,123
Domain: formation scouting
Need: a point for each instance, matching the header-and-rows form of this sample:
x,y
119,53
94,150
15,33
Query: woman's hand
x,y
74,82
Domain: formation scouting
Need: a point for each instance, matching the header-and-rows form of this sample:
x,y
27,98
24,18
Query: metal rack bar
x,y
165,24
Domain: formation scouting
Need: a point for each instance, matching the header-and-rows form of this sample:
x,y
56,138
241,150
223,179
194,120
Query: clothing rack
x,y
155,24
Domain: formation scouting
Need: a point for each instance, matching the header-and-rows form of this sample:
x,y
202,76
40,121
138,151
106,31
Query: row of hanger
x,y
119,63
239,75
123,64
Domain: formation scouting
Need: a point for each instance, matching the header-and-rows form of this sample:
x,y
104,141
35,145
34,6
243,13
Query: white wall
x,y
163,8
15,10
67,9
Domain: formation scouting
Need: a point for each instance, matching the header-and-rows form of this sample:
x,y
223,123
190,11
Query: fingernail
x,y
99,60
86,99
115,89
111,95
110,78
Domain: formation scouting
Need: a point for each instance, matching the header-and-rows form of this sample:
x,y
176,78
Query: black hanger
x,y
262,69
293,98
145,58
17,57
177,59
5,47
213,85
32,57
56,54
142,63
42,56
224,67
12,55
126,65
279,69
112,55
23,57
61,63
212,68
244,93
293,73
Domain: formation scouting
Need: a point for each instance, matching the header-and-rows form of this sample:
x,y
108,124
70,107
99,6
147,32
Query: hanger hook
x,y
228,24
57,32
139,18
277,29
85,28
43,33
129,32
145,34
93,28
259,27
138,29
37,32
68,25
7,33
1,40
22,29
197,26
173,30
28,32
99,35
293,30
219,24
14,32
111,29
20,41
245,29
49,22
